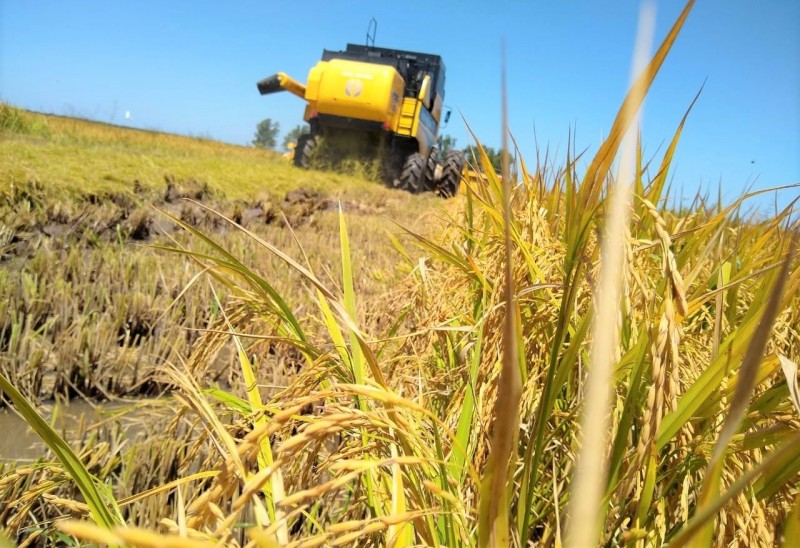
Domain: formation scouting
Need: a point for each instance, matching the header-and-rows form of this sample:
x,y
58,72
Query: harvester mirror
x,y
447,116
424,91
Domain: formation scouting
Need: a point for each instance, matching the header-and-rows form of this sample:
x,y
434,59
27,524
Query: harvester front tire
x,y
306,144
417,174
430,172
451,173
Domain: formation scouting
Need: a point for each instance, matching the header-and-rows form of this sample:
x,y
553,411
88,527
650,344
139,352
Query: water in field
x,y
19,443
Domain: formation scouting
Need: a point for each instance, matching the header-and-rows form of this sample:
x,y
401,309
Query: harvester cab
x,y
390,101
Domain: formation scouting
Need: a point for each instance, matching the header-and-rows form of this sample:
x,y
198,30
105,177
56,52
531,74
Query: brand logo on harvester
x,y
353,87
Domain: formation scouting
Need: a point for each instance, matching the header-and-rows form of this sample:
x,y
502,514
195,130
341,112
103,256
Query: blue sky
x,y
191,68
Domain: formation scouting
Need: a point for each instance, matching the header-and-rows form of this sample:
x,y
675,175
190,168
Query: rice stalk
x,y
741,398
403,448
580,207
584,511
496,484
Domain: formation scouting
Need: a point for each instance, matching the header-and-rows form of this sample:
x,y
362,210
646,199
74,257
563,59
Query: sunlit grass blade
x,y
167,487
357,358
335,332
466,420
398,535
230,401
356,362
128,536
601,164
654,192
274,490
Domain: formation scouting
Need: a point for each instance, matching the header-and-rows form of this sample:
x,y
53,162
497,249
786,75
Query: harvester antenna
x,y
371,30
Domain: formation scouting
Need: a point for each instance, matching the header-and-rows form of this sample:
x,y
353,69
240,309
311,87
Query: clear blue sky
x,y
191,68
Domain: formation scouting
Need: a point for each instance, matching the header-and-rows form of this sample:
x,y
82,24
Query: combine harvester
x,y
389,101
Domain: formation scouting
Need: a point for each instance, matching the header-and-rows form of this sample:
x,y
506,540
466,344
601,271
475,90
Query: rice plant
x,y
448,411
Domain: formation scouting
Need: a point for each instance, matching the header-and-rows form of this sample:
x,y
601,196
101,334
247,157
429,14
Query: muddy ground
x,y
92,307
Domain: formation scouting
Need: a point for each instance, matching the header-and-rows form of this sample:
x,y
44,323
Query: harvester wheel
x,y
430,172
306,144
451,173
417,174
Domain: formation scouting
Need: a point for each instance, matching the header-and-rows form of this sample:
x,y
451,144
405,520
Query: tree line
x,y
267,134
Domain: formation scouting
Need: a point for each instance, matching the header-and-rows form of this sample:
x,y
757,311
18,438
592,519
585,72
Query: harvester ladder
x,y
408,113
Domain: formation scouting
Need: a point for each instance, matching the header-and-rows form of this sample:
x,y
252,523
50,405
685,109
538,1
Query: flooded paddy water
x,y
74,420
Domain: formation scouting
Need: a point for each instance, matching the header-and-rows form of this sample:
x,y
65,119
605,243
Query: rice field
x,y
89,307
330,387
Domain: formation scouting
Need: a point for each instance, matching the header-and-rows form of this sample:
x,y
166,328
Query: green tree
x,y
495,156
445,143
294,134
266,134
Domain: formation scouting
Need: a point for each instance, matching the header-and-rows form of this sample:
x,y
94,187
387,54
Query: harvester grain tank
x,y
390,101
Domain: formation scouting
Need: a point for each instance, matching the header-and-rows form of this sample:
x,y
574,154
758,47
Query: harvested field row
x,y
90,306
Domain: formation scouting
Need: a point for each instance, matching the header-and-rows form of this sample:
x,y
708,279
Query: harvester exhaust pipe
x,y
280,82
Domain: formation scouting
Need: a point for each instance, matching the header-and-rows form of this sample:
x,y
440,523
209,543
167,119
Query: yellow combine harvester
x,y
388,100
